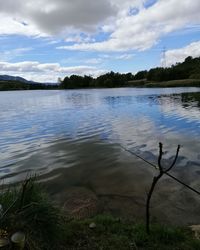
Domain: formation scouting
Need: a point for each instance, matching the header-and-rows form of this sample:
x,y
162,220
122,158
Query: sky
x,y
43,40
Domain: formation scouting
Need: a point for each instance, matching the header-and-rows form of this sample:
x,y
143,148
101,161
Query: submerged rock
x,y
78,202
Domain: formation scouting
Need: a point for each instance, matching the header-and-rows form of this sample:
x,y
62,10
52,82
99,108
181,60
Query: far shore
x,y
131,84
167,84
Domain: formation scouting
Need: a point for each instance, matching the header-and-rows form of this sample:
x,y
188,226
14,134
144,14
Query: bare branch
x,y
175,159
160,156
162,171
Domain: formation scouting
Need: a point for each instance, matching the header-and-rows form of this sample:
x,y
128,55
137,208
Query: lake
x,y
75,140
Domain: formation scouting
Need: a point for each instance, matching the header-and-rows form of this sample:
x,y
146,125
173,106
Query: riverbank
x,y
174,83
165,84
14,86
28,209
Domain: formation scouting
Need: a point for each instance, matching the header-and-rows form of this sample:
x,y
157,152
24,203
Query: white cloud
x,y
116,56
94,61
10,54
107,57
124,57
80,21
77,38
33,17
143,30
10,25
50,17
179,55
46,72
47,17
138,31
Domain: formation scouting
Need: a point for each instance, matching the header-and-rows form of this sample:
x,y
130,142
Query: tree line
x,y
189,69
108,80
17,85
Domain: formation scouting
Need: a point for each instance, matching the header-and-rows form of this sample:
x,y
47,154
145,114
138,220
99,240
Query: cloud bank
x,y
130,25
46,72
46,17
143,30
179,55
122,27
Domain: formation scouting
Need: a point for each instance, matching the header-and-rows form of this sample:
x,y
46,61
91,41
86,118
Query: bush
x,y
28,209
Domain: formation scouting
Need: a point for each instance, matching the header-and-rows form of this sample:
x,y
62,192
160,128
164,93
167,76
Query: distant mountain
x,y
23,80
19,83
15,78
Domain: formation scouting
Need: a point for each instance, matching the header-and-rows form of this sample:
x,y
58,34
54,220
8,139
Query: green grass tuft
x,y
28,209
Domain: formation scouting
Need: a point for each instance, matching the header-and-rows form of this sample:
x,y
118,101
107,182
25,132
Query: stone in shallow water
x,y
78,202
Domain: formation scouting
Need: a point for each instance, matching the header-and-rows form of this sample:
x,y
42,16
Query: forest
x,y
189,69
17,85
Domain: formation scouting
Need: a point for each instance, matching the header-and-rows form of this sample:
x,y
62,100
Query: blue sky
x,y
43,40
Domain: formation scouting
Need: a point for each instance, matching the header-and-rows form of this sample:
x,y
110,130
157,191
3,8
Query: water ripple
x,y
41,131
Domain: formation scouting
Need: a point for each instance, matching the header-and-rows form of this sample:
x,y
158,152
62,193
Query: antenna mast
x,y
163,59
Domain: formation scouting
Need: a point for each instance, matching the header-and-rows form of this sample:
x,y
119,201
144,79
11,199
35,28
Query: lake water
x,y
74,138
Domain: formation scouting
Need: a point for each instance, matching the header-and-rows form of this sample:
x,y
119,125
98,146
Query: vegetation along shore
x,y
185,74
28,209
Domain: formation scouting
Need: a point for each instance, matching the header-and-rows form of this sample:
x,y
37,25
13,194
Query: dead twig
x,y
162,171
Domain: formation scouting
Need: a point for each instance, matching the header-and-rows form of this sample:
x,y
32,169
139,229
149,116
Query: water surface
x,y
74,138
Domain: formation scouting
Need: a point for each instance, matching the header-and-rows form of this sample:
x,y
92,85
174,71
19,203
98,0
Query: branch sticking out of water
x,y
162,171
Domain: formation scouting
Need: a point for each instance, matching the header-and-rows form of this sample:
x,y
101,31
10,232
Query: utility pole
x,y
163,58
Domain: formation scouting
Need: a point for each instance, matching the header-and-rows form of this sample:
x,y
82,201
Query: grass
x,y
29,209
111,234
175,83
165,84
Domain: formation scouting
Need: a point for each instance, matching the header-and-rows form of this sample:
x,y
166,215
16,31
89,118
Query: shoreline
x,y
132,84
29,210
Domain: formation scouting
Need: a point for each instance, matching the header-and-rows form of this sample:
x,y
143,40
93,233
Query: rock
x,y
78,202
196,230
18,240
92,225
